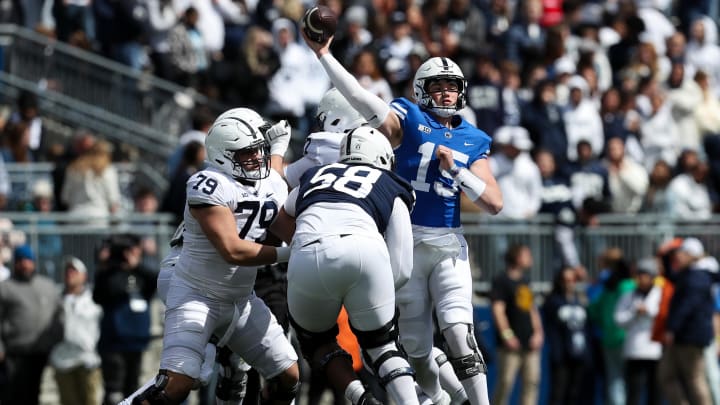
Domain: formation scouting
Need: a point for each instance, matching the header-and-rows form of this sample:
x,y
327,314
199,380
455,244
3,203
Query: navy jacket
x,y
692,304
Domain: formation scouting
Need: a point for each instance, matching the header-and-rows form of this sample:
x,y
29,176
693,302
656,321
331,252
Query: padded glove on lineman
x,y
279,137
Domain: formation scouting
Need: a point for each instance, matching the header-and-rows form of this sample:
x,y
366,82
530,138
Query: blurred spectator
x,y
589,179
582,119
684,96
660,137
707,112
657,198
188,59
247,71
91,186
16,143
498,17
5,185
290,78
75,359
28,113
119,29
526,38
145,202
31,316
210,21
557,200
689,197
42,202
395,47
629,26
543,119
614,281
352,34
628,180
466,33
518,326
689,329
366,69
635,312
485,95
202,120
516,173
79,144
174,199
703,52
123,287
71,16
161,19
564,314
712,352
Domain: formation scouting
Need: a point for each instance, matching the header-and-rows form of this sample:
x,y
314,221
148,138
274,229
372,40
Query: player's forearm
x,y
370,106
249,253
485,194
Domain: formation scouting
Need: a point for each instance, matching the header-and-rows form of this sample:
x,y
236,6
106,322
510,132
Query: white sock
x,y
148,384
448,380
427,376
354,391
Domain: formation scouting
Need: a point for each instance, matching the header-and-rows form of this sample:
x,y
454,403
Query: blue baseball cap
x,y
24,252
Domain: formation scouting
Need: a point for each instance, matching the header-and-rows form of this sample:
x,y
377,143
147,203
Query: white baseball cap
x,y
693,247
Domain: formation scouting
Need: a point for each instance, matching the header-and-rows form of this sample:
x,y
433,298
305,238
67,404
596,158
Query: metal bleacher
x,y
80,89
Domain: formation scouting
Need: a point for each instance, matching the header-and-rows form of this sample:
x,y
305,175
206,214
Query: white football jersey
x,y
321,148
254,207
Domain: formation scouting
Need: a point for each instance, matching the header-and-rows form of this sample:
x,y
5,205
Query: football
x,y
319,23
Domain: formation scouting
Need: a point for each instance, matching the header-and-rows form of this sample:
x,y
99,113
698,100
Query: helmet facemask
x,y
251,168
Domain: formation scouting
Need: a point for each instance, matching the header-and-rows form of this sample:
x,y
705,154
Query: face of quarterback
x,y
444,92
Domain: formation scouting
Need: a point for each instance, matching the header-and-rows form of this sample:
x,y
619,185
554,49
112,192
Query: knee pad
x,y
378,337
311,341
386,336
156,395
280,392
468,365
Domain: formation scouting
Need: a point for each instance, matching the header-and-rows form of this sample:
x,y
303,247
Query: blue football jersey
x,y
437,194
374,190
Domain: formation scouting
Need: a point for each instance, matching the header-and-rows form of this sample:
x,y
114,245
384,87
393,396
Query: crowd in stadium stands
x,y
594,107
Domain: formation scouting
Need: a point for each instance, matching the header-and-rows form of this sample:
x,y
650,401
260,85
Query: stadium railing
x,y
488,238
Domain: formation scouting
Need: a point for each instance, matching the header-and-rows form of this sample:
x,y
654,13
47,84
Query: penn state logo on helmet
x,y
439,68
366,145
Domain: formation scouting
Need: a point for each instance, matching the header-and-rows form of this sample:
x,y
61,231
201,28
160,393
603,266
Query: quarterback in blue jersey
x,y
440,154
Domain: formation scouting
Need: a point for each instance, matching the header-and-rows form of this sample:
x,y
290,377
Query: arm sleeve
x,y
294,170
398,237
370,106
291,202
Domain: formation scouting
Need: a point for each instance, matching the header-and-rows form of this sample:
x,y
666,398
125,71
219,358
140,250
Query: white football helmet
x,y
435,69
335,114
237,131
369,146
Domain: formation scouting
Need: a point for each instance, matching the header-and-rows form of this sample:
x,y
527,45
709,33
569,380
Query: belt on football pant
x,y
318,240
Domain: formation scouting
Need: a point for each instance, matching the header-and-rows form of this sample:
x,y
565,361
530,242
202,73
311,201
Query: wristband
x,y
283,254
472,185
454,171
507,334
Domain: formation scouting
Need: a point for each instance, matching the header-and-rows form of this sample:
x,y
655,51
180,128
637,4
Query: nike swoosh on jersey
x,y
469,144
